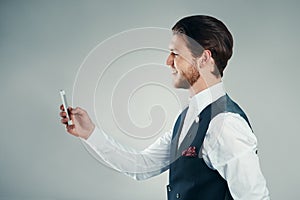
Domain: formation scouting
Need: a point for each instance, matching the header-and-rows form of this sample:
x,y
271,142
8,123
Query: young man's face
x,y
184,70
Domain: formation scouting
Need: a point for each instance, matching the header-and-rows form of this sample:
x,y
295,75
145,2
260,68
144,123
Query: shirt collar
x,y
202,99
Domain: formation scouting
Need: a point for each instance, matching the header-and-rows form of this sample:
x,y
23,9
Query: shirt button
x,y
197,119
177,195
169,188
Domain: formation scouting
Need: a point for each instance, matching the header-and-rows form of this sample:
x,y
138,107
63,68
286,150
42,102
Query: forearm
x,y
136,164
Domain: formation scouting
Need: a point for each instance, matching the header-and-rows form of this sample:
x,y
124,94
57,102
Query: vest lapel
x,y
176,133
190,136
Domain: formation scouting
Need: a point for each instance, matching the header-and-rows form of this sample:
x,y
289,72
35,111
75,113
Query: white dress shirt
x,y
228,147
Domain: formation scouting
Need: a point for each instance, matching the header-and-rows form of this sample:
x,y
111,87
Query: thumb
x,y
77,111
71,129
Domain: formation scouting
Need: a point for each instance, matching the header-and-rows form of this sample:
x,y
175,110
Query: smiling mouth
x,y
174,71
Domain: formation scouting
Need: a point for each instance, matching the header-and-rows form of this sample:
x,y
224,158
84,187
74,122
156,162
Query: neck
x,y
202,84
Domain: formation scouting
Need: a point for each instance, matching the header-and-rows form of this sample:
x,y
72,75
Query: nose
x,y
170,60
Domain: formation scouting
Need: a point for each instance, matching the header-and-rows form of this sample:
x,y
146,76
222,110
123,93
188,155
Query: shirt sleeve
x,y
139,165
230,147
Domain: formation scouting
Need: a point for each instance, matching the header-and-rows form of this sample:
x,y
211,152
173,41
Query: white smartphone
x,y
65,105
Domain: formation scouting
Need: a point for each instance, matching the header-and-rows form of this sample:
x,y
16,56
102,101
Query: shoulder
x,y
229,124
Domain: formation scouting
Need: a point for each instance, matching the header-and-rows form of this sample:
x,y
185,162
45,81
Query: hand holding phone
x,y
65,105
81,126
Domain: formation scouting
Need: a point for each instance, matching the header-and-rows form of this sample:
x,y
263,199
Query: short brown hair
x,y
211,34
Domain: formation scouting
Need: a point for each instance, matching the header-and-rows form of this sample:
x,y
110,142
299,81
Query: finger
x,y
61,107
71,129
70,110
63,114
64,120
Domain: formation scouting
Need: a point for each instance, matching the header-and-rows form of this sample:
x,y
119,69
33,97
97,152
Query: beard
x,y
186,79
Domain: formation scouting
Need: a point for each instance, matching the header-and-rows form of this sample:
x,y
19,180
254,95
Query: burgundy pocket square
x,y
189,152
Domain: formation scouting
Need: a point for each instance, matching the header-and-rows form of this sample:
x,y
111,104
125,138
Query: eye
x,y
174,54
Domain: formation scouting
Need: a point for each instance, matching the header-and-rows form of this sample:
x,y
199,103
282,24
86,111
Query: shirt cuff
x,y
97,139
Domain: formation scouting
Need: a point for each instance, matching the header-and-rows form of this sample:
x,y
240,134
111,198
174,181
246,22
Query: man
x,y
211,152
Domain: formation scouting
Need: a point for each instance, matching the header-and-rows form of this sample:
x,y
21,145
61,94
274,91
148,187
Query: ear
x,y
205,59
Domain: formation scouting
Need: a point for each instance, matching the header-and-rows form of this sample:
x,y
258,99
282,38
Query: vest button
x,y
177,195
169,188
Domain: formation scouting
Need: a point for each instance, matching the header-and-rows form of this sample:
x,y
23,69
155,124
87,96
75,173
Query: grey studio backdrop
x,y
44,43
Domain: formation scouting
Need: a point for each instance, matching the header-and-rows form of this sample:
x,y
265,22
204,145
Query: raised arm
x,y
137,164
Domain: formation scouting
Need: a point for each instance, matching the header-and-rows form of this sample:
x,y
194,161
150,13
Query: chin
x,y
181,84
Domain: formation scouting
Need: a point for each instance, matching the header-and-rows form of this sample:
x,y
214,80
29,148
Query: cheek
x,y
180,63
